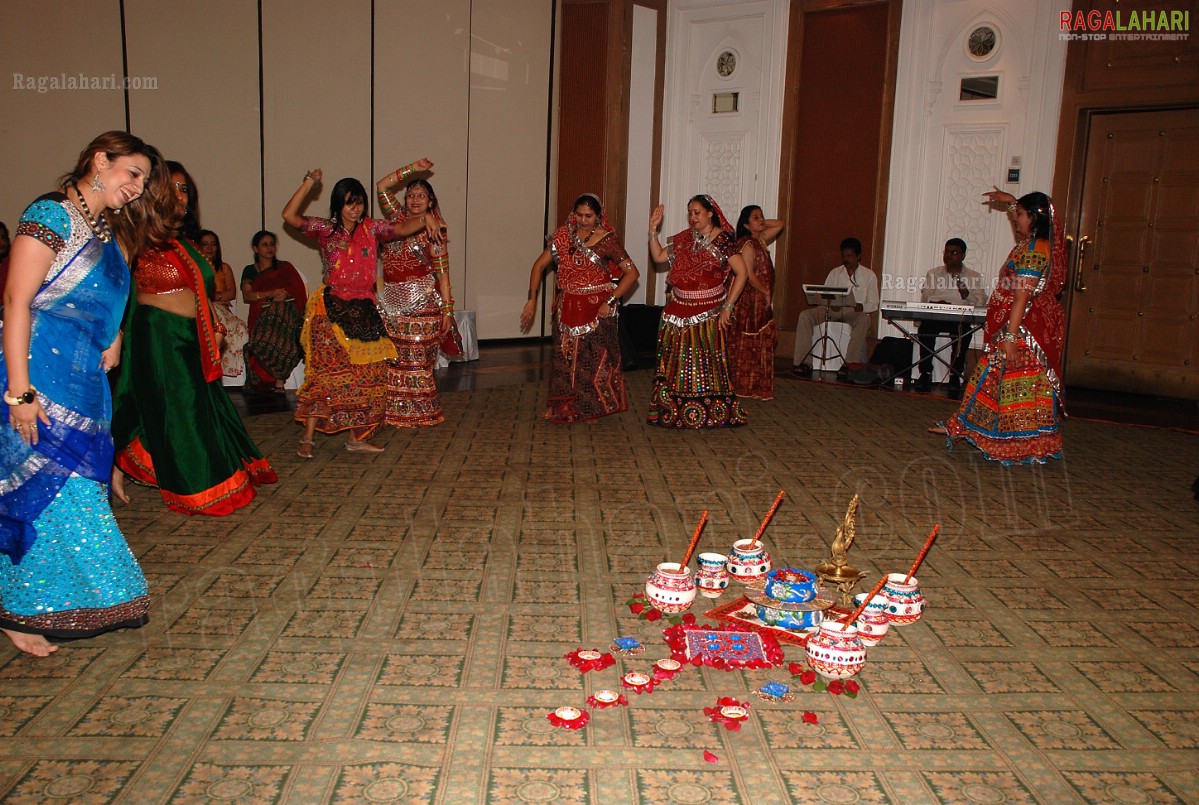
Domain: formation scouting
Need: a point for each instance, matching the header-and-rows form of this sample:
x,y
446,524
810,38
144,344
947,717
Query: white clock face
x,y
726,63
982,42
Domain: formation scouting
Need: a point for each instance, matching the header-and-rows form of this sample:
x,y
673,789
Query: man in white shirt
x,y
950,284
863,286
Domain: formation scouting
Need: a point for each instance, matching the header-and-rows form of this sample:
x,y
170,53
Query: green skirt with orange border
x,y
177,431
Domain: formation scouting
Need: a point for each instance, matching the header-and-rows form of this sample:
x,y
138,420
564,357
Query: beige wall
x,y
467,88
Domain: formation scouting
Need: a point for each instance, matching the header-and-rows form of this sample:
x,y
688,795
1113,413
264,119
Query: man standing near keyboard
x,y
948,284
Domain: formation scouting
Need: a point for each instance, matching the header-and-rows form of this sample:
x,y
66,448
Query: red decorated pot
x,y
670,589
836,651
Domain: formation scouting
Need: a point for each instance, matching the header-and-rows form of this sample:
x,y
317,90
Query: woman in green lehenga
x,y
173,425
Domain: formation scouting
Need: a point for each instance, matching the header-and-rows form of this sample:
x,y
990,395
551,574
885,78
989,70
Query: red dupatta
x,y
193,262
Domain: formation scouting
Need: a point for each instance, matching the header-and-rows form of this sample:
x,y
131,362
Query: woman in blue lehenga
x,y
65,570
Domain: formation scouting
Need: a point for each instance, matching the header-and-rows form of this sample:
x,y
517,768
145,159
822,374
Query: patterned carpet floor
x,y
392,628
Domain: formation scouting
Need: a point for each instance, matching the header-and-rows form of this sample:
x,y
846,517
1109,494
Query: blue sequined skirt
x,y
80,578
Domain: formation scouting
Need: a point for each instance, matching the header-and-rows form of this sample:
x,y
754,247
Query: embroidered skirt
x,y
412,315
342,394
1009,411
691,384
586,380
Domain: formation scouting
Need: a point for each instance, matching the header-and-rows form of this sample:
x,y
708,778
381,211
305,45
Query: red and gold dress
x,y
1011,410
753,337
692,388
346,347
411,305
586,380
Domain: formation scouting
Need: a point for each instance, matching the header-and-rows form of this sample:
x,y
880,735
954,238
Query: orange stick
x,y
762,528
853,618
703,518
927,544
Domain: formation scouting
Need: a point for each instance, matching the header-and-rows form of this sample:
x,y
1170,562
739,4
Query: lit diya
x,y
638,682
728,711
589,659
571,718
667,668
607,698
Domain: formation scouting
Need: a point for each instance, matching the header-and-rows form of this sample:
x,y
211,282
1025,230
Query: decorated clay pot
x,y
670,589
790,585
873,623
712,577
905,604
749,560
836,651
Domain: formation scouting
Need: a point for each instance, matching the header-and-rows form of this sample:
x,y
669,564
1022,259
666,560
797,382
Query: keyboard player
x,y
951,283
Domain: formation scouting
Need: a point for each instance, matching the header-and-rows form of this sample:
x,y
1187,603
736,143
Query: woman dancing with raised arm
x,y
1012,405
753,337
691,384
417,303
346,346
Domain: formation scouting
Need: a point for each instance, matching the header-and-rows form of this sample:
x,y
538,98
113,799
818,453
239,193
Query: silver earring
x,y
97,185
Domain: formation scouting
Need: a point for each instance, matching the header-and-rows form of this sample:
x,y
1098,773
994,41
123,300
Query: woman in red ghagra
x,y
594,274
346,347
753,336
692,388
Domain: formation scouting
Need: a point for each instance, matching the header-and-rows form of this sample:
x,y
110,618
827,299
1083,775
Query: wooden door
x,y
1134,299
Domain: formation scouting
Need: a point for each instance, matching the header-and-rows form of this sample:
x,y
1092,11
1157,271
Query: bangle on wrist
x,y
308,176
21,399
1011,206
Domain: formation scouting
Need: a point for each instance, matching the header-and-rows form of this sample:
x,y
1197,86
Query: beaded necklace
x,y
101,228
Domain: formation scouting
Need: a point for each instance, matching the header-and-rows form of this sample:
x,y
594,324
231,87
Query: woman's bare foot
x,y
939,430
117,485
33,644
355,446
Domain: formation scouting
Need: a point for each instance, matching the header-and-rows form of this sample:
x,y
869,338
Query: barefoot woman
x,y
65,570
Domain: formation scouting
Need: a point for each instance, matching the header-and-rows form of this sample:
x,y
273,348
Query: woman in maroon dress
x,y
753,336
594,273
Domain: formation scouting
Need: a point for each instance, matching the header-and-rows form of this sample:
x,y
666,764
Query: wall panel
x,y
42,132
205,110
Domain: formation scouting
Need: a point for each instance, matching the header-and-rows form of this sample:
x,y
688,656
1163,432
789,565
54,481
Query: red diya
x,y
667,668
588,659
570,718
607,698
727,647
728,711
638,682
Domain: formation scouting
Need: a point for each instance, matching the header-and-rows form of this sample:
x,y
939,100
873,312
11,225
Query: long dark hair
x,y
743,220
1036,204
258,236
189,226
143,220
346,190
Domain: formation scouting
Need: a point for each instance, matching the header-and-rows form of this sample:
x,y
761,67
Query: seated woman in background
x,y
276,294
236,332
174,426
